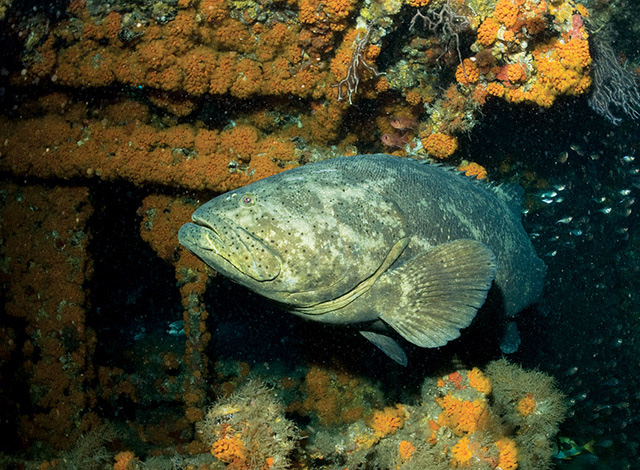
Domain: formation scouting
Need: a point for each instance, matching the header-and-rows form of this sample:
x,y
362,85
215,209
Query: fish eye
x,y
248,200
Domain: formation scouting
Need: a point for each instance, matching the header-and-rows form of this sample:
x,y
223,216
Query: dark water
x,y
585,228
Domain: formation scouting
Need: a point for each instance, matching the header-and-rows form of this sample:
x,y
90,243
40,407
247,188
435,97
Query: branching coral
x,y
248,430
456,424
349,84
529,402
615,88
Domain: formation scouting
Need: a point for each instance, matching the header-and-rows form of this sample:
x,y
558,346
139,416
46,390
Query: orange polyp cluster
x,y
478,430
495,89
387,421
124,460
332,13
461,454
574,53
230,450
467,72
559,75
508,454
543,69
406,450
526,405
488,31
440,145
463,416
330,396
476,377
516,73
506,12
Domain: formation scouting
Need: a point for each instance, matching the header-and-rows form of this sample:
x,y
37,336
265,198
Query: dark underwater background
x,y
581,176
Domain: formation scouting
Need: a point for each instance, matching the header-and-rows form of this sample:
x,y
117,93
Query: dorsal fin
x,y
512,195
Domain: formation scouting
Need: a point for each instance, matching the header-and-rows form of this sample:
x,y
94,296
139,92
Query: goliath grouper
x,y
372,240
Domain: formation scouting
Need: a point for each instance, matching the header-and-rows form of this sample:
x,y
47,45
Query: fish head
x,y
299,238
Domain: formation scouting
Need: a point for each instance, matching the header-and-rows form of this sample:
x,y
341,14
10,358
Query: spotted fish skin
x,y
373,240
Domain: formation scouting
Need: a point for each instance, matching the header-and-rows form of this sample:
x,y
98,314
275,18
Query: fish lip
x,y
210,230
220,246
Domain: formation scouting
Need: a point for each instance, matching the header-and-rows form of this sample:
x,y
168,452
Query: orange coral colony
x,y
387,421
440,145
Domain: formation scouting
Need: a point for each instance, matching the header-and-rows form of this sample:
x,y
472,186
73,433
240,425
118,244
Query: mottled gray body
x,y
369,238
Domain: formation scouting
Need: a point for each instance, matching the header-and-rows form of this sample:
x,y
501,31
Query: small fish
x,y
576,148
606,210
176,328
628,158
395,140
628,202
375,241
571,371
568,448
403,123
566,220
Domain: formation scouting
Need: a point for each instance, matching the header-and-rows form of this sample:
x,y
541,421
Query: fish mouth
x,y
229,249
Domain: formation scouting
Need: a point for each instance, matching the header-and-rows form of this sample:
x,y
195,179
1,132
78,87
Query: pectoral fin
x,y
433,295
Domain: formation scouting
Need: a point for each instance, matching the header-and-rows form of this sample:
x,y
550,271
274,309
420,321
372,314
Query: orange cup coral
x,y
440,145
516,73
476,377
387,421
508,454
526,405
230,450
506,12
463,416
406,450
461,454
124,460
488,31
480,172
467,72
